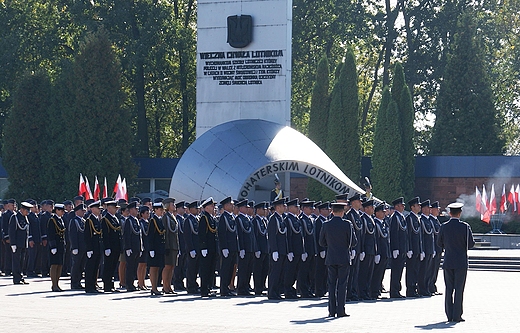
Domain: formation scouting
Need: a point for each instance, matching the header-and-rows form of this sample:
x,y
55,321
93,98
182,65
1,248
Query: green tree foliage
x,y
319,115
343,145
102,125
386,160
24,139
403,99
467,122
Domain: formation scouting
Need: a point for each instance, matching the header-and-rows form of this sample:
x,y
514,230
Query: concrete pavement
x,y
491,304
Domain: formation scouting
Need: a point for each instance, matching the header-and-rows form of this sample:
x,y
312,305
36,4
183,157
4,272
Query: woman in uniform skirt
x,y
171,245
156,246
56,240
144,215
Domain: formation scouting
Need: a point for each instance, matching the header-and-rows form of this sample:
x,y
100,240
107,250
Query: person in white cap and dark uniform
x,y
455,237
18,237
56,239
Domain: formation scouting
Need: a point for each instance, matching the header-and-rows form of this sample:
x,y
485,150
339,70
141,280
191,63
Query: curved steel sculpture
x,y
231,159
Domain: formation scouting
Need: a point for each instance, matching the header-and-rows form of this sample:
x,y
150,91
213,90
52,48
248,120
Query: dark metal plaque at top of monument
x,y
240,30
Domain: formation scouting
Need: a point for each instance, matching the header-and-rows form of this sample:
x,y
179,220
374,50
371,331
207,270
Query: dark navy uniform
x,y
33,260
133,246
56,239
415,245
383,250
369,249
93,235
436,262
425,267
172,239
18,232
456,238
261,263
208,242
305,275
228,242
277,237
354,217
8,253
296,247
111,241
179,273
320,278
248,247
155,242
44,219
192,247
399,246
337,235
77,244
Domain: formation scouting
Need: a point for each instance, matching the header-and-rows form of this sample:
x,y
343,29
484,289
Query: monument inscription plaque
x,y
243,61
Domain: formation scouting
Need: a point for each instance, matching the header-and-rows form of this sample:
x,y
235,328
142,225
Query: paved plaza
x,y
491,304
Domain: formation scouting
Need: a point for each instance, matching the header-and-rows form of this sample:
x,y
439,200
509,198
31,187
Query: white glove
x,y
257,254
152,254
352,254
362,256
275,256
193,253
422,256
304,256
128,252
242,254
225,253
89,254
13,247
204,252
290,256
395,253
107,252
377,259
409,254
75,251
434,254
54,251
322,254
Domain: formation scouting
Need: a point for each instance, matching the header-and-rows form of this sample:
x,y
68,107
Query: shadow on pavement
x,y
436,326
313,321
321,304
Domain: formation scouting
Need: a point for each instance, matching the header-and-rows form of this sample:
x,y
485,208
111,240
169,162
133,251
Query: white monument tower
x,y
243,61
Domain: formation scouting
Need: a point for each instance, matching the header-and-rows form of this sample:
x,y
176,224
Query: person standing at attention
x,y
455,237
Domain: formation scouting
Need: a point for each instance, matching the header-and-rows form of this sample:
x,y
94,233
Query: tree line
x,y
153,46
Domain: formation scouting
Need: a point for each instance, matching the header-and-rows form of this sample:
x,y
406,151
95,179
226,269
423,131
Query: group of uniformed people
x,y
177,243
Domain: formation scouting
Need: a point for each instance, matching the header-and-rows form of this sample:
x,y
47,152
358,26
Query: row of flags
x,y
486,207
120,190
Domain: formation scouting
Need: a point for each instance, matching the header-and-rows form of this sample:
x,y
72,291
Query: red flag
x,y
492,201
97,190
511,197
105,189
88,193
117,185
119,189
517,198
485,215
478,200
82,187
125,191
503,200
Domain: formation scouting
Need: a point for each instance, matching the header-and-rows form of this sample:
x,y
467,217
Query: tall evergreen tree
x,y
319,115
343,144
467,122
24,136
98,126
401,95
386,160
